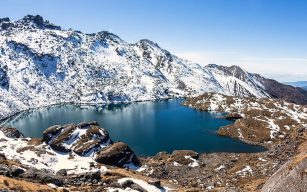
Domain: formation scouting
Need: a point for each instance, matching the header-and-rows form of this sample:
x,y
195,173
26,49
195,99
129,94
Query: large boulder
x,y
11,132
233,116
184,157
41,176
10,170
118,154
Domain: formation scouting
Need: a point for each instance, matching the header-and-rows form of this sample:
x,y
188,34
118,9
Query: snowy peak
x,y
154,54
106,35
236,81
234,71
146,43
29,21
42,64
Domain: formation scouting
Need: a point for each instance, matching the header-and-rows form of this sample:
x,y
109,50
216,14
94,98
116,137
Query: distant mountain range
x,y
42,64
302,84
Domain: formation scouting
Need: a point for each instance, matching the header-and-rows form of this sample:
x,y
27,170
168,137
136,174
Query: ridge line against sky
x,y
262,36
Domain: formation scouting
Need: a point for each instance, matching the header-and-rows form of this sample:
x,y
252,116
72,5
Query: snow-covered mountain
x,y
42,64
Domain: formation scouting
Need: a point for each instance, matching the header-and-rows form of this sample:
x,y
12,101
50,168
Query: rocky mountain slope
x,y
42,64
262,120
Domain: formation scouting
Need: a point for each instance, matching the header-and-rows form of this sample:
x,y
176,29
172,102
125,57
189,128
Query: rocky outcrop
x,y
72,148
118,154
81,138
184,157
260,121
233,116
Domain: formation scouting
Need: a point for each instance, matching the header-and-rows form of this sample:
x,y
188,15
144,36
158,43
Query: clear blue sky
x,y
263,36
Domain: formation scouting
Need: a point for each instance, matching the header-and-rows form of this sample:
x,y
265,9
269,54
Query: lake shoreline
x,y
107,114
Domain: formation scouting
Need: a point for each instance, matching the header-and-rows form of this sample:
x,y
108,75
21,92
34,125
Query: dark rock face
x,y
271,87
5,23
286,92
233,116
11,132
39,22
117,154
6,19
4,79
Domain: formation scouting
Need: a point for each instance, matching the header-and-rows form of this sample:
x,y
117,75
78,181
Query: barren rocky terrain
x,y
82,157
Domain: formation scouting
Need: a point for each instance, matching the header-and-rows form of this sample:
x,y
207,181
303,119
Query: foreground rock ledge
x,y
84,144
74,157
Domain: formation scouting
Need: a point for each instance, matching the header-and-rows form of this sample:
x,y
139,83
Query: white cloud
x,y
279,68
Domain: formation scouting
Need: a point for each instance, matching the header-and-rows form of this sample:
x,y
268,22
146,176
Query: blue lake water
x,y
147,127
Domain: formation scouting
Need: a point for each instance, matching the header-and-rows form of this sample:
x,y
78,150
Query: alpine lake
x,y
147,127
